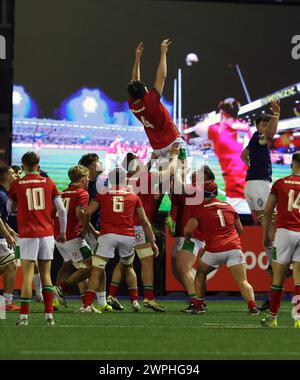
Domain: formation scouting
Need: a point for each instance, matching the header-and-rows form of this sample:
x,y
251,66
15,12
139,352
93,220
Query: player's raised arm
x,y
161,72
273,123
267,220
144,222
190,227
136,74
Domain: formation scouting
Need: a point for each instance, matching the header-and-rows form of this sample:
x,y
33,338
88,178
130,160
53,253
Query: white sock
x,y
101,298
37,284
48,315
8,298
23,316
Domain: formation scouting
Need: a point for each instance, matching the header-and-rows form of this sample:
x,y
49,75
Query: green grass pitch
x,y
226,331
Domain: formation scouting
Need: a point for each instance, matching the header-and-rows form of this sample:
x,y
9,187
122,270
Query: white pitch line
x,y
203,326
170,353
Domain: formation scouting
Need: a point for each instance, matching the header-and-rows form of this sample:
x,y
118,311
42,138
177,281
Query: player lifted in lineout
x,y
147,107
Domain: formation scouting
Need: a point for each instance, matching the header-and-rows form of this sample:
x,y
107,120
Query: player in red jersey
x,y
76,252
118,207
146,185
147,107
185,252
230,136
35,197
285,195
221,227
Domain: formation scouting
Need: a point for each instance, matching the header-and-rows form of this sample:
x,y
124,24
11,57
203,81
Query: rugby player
x,y
35,196
221,227
285,195
147,107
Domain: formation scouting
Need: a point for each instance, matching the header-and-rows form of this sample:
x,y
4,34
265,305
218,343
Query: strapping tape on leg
x,y
98,262
127,260
5,260
144,252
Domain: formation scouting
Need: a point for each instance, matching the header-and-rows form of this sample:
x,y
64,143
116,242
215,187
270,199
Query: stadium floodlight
x,y
89,104
23,105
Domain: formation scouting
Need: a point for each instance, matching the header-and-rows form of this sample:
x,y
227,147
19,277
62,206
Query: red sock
x,y
133,292
25,306
89,298
64,285
196,301
113,289
251,304
275,299
48,299
148,292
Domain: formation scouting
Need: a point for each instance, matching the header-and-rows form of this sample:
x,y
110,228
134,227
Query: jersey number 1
x,y
35,198
221,217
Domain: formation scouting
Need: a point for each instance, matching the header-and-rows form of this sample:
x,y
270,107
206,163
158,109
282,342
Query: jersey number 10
x,y
35,198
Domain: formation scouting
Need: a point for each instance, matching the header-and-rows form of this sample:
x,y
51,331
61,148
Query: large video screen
x,y
73,61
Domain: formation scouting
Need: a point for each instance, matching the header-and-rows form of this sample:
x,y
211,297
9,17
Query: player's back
x,y
117,211
72,197
287,190
217,223
34,195
156,119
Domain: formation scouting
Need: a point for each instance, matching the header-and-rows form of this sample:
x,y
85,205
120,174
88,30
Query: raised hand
x,y
165,45
275,108
139,50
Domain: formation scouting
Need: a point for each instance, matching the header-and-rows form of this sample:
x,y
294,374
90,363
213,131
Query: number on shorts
x,y
221,217
118,204
35,198
293,203
146,123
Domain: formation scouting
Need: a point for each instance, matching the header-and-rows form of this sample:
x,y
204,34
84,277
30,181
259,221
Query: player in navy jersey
x,y
257,156
8,266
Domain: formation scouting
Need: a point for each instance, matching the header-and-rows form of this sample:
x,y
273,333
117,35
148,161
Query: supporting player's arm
x,y
238,226
245,156
92,207
273,123
136,75
62,216
144,222
161,72
11,242
80,216
267,220
166,174
11,205
190,227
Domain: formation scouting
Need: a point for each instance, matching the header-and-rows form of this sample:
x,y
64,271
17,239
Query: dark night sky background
x,y
63,45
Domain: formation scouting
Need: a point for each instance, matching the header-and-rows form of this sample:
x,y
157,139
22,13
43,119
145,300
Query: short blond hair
x,y
76,173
